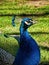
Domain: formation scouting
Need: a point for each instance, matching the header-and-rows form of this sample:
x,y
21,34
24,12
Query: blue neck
x,y
24,32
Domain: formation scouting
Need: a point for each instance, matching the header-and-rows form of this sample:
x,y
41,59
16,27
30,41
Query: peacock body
x,y
28,52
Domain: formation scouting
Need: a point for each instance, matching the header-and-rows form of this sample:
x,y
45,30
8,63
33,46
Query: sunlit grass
x,y
42,24
17,8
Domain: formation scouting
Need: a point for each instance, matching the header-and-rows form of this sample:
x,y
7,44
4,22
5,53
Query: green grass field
x,y
39,31
19,8
25,9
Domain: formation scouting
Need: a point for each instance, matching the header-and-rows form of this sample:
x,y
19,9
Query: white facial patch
x,y
27,23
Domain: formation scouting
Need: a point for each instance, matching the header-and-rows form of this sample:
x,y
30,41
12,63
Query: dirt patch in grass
x,y
37,3
45,44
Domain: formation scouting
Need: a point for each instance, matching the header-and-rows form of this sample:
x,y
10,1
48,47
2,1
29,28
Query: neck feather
x,y
24,33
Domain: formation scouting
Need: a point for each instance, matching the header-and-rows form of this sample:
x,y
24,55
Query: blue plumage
x,y
13,18
28,52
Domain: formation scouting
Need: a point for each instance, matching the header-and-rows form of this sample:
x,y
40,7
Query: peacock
x,y
28,52
13,19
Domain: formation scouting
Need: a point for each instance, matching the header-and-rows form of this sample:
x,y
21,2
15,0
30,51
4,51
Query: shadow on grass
x,y
29,32
31,14
44,48
39,32
17,35
44,63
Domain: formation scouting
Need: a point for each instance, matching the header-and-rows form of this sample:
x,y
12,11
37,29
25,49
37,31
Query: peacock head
x,y
27,22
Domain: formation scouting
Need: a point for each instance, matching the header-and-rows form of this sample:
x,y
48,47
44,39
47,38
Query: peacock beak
x,y
33,22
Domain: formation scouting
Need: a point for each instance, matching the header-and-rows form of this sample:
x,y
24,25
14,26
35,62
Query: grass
x,y
39,31
8,44
13,8
24,10
42,24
